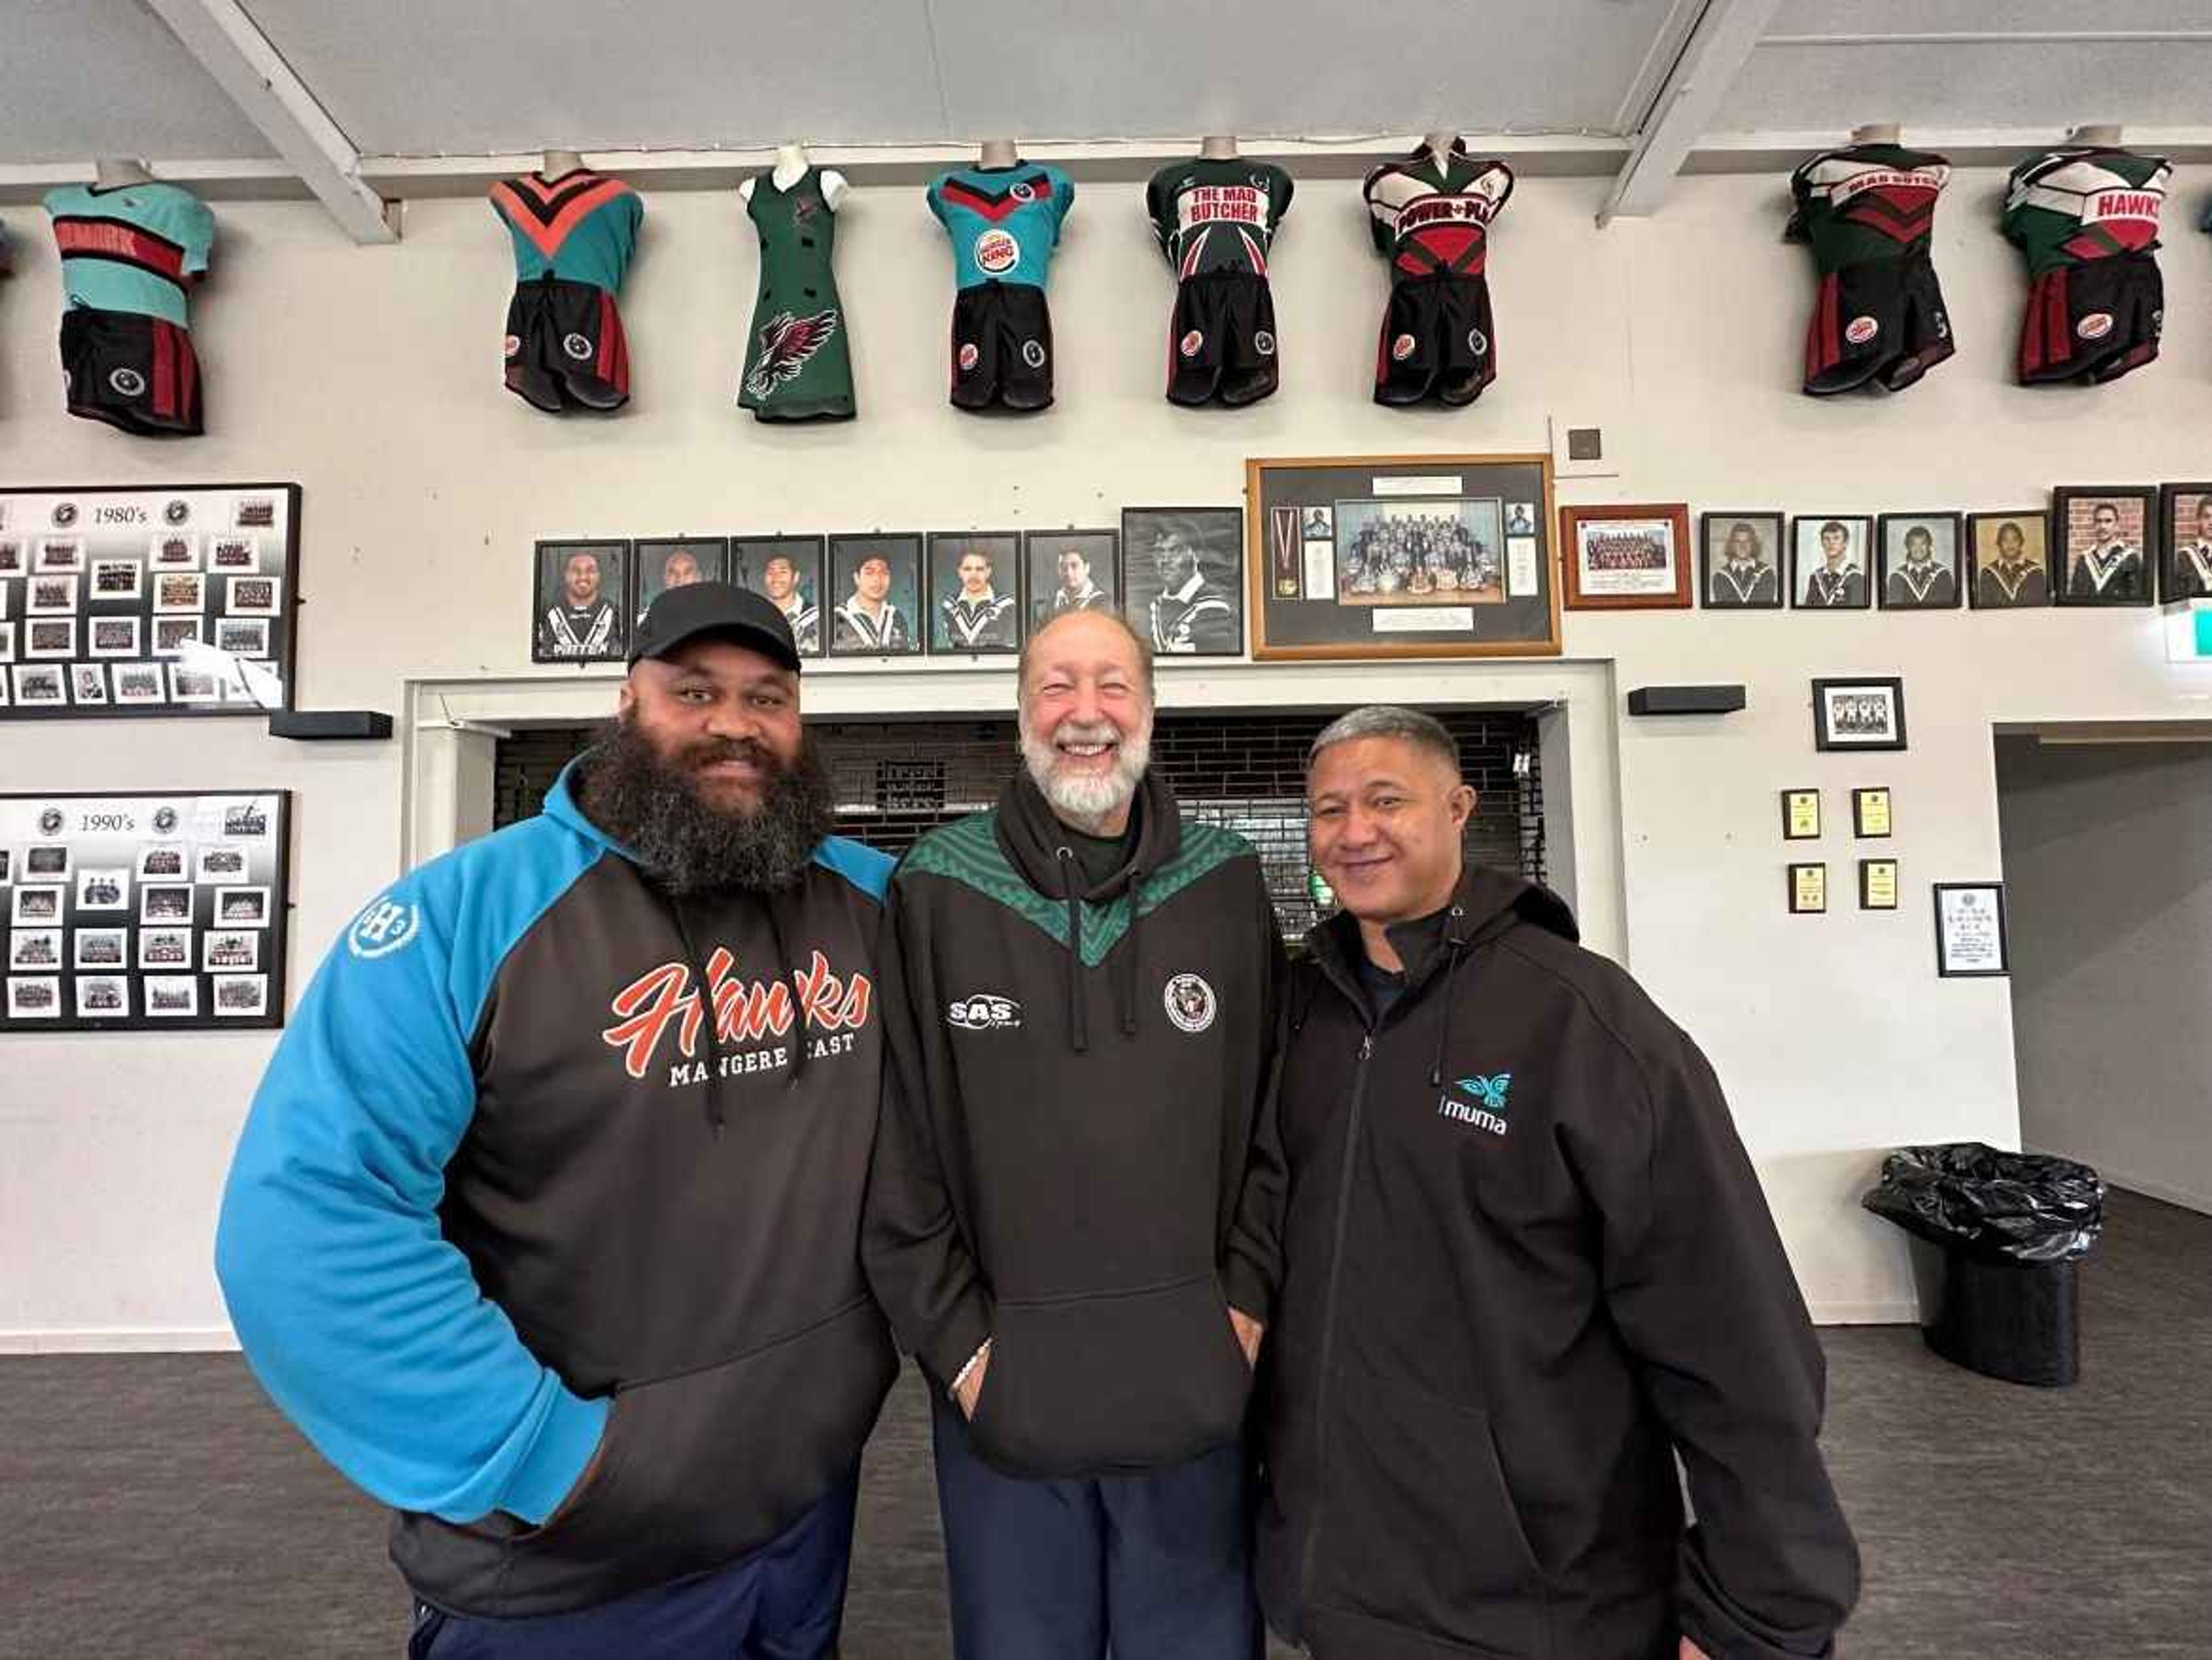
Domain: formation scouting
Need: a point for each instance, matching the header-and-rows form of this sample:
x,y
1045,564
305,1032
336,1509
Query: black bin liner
x,y
2003,1231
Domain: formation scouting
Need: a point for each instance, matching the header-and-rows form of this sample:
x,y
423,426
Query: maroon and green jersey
x,y
2072,207
1866,202
1217,214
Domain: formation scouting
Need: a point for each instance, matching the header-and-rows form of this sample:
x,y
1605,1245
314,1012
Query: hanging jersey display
x,y
129,254
1215,221
1432,220
573,238
1003,224
799,364
2086,219
1868,212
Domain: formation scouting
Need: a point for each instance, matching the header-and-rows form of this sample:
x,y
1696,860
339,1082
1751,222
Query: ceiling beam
x,y
232,48
1687,100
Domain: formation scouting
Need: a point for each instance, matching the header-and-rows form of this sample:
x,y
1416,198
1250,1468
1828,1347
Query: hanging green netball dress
x,y
797,364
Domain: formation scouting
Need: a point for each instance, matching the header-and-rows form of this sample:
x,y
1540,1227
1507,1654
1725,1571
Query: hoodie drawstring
x,y
710,1020
1455,946
1129,956
1078,1029
787,970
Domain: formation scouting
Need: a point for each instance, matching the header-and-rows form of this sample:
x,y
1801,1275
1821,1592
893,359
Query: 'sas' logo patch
x,y
386,927
985,1012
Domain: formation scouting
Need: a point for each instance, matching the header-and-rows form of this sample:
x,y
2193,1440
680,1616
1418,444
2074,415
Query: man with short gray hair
x,y
1526,1264
1070,1218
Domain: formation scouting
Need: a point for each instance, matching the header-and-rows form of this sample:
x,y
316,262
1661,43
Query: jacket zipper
x,y
1328,1310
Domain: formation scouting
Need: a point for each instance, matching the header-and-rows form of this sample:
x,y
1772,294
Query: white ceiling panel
x,y
479,77
1801,88
81,78
1150,69
1847,17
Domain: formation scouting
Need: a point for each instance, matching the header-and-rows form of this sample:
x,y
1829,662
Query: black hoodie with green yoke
x,y
1071,1160
1527,1262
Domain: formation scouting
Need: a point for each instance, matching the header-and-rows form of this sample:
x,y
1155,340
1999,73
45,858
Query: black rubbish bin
x,y
2003,1233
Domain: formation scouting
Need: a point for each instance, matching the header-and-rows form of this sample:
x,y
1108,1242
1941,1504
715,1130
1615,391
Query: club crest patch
x,y
127,382
577,347
1033,353
1190,1002
386,927
1478,342
1263,343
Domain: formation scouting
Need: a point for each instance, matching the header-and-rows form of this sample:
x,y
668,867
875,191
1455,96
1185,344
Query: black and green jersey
x,y
1217,214
798,365
1866,202
2071,207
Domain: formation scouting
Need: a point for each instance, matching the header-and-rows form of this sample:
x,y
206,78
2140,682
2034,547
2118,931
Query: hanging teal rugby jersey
x,y
580,228
130,248
1003,222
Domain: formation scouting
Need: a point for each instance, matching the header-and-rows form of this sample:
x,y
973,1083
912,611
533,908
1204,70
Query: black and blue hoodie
x,y
509,1205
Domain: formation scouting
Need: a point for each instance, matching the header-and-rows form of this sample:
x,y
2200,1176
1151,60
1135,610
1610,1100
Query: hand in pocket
x,y
1248,1333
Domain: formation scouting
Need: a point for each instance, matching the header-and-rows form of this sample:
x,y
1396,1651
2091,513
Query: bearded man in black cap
x,y
544,1225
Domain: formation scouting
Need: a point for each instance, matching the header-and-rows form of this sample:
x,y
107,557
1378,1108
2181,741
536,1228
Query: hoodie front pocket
x,y
1417,1527
1122,1380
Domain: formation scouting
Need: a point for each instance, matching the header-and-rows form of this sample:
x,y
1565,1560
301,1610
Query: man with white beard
x,y
1073,1213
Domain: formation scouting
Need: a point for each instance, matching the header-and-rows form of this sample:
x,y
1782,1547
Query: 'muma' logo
x,y
1486,1110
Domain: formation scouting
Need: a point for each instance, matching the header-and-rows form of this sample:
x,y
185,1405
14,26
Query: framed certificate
x,y
1808,889
1877,885
1870,812
1801,815
1970,930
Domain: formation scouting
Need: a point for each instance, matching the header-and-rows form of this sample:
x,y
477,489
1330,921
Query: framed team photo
x,y
39,685
59,554
235,554
788,571
2010,558
1830,560
1069,570
875,580
50,596
1861,714
174,550
7,644
1739,561
1920,561
50,636
119,637
974,598
2102,536
11,556
251,596
139,683
1182,586
179,591
578,603
1623,557
2185,518
116,579
675,562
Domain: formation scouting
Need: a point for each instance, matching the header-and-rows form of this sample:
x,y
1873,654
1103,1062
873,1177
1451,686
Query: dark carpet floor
x,y
156,1506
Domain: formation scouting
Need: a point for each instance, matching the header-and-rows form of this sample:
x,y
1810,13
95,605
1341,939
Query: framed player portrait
x,y
11,556
1069,570
1626,557
1920,561
788,571
1181,588
2009,556
1739,561
2184,519
580,603
875,581
675,562
1830,561
1866,713
1427,555
2103,539
974,598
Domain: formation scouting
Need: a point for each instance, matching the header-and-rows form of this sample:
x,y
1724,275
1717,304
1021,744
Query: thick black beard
x,y
653,805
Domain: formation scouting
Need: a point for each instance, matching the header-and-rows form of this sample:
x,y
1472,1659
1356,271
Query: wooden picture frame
x,y
1644,564
1352,557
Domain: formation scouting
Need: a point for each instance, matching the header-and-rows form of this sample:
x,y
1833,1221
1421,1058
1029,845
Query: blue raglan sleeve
x,y
364,1324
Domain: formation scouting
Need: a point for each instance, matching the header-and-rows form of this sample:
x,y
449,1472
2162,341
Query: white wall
x,y
371,376
2109,911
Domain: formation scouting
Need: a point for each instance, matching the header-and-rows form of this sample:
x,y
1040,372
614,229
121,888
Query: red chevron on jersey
x,y
1436,220
1022,193
546,213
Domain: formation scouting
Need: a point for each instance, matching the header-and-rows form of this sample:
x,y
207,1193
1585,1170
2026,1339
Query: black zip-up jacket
x,y
1526,1263
517,1226
1071,1160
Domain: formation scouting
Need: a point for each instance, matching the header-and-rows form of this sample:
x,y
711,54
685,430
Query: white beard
x,y
1087,799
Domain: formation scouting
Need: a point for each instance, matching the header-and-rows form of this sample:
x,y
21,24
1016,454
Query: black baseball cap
x,y
722,609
